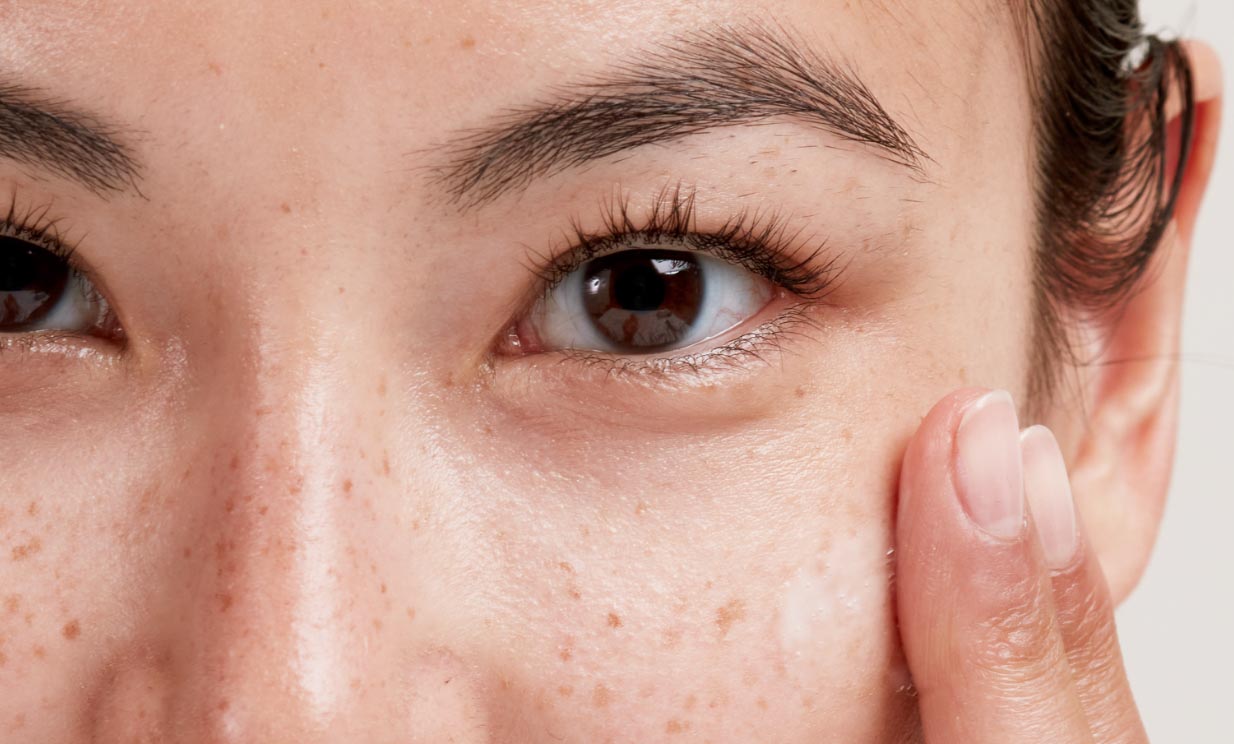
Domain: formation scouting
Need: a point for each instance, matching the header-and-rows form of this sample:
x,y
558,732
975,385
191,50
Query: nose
x,y
291,610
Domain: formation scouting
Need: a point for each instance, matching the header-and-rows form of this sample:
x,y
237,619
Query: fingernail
x,y
1048,490
988,468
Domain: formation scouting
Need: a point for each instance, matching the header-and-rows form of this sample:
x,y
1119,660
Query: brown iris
x,y
643,299
32,283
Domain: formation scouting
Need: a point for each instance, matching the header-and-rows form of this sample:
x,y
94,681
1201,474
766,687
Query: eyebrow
x,y
693,84
53,136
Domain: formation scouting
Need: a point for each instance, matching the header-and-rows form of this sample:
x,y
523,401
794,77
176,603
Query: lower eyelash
x,y
757,346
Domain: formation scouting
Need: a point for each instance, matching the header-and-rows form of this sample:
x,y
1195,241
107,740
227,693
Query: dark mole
x,y
614,620
71,630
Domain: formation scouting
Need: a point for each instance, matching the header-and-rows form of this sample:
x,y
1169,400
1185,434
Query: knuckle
x,y
1018,641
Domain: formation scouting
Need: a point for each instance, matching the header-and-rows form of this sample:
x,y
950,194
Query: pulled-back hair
x,y
1106,190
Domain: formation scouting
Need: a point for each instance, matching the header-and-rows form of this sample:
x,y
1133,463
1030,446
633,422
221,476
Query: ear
x,y
1121,444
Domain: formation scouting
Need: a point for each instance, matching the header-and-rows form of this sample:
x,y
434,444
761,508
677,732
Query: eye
x,y
643,301
41,291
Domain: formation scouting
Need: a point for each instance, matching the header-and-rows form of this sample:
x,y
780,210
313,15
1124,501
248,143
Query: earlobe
x,y
1122,443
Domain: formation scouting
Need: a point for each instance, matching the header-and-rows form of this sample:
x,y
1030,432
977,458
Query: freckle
x,y
225,601
385,463
673,727
22,552
762,703
847,433
641,509
3,659
40,652
216,68
566,654
614,620
71,630
235,462
574,592
601,696
565,691
468,43
304,253
12,603
347,486
411,613
223,705
230,506
383,588
691,702
285,208
262,511
672,638
33,509
800,392
729,614
377,624
187,553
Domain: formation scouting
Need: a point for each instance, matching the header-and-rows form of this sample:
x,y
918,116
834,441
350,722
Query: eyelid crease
x,y
761,242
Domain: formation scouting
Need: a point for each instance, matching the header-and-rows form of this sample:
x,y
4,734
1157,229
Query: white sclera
x,y
78,310
731,295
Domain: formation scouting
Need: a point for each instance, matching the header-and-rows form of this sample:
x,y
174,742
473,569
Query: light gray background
x,y
1178,627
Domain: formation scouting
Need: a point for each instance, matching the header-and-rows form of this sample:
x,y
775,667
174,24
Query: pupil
x,y
639,288
642,300
32,281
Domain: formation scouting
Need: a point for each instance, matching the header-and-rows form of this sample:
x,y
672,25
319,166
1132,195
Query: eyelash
x,y
760,242
35,225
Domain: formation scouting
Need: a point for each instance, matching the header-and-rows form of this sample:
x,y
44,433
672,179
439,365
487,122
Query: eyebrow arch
x,y
726,76
51,135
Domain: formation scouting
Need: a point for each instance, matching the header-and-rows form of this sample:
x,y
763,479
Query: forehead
x,y
289,87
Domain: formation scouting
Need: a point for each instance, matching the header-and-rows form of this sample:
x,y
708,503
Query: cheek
x,y
724,601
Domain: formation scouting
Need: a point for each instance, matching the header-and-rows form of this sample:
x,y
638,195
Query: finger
x,y
974,596
1081,598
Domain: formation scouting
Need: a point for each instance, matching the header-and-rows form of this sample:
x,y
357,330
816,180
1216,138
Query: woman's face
x,y
340,482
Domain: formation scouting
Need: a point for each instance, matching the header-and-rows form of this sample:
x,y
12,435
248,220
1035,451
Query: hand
x,y
1004,613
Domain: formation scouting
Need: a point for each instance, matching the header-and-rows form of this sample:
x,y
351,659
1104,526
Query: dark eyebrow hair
x,y
49,134
722,77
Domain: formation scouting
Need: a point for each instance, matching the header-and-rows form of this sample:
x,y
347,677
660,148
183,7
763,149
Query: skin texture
x,y
306,502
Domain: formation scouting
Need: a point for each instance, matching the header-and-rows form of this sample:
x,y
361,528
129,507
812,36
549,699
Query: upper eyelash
x,y
37,226
762,242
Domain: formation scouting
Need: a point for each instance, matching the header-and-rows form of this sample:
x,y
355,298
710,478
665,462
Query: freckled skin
x,y
293,513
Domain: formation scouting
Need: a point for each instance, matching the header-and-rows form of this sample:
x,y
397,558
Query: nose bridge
x,y
287,616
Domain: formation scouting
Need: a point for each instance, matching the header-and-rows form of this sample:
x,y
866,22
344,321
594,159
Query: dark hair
x,y
1104,192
